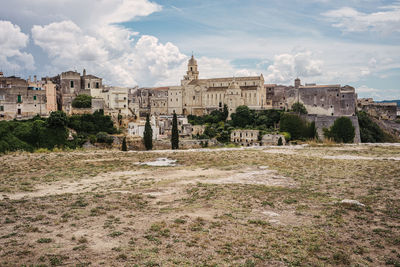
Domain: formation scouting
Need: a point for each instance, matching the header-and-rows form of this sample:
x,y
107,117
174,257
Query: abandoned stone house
x,y
272,139
245,137
24,99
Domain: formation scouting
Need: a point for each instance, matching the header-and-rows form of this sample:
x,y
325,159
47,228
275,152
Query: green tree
x,y
57,119
242,117
148,134
124,147
342,131
175,133
299,108
82,101
280,143
370,132
225,112
294,125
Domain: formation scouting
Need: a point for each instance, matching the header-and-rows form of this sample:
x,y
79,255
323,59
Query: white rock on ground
x,y
352,202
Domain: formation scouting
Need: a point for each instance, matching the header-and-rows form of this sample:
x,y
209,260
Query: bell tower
x,y
192,72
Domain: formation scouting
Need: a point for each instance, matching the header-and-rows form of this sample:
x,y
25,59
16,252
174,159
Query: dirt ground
x,y
268,206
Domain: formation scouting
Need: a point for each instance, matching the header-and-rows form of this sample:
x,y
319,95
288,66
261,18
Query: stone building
x,y
158,100
381,111
245,137
18,100
272,139
328,100
69,84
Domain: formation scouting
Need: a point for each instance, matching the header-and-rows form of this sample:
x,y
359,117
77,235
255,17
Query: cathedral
x,y
201,96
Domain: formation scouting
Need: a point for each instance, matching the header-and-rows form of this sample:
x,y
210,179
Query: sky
x,y
148,43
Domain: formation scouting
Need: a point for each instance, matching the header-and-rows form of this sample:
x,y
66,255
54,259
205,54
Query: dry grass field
x,y
215,207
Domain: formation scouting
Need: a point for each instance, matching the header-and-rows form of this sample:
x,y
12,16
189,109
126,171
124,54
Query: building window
x,y
19,99
194,97
88,85
1,108
1,97
72,84
19,111
34,97
97,85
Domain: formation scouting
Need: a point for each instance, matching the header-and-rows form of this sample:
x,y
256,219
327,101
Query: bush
x,y
297,127
342,131
91,123
242,117
82,101
57,119
103,137
370,132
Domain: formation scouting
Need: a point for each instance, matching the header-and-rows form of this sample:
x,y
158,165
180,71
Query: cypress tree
x,y
148,134
225,113
124,147
280,143
175,133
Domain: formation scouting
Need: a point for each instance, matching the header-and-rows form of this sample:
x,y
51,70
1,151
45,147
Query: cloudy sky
x,y
148,43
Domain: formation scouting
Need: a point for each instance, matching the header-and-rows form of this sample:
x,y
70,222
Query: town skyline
x,y
147,43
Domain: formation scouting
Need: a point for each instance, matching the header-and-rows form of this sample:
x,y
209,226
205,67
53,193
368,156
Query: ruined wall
x,y
322,122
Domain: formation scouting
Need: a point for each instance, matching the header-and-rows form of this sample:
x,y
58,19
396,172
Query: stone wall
x,y
322,122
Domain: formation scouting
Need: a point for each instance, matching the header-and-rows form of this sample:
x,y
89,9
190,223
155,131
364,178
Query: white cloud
x,y
12,41
118,59
366,89
104,48
286,67
378,94
350,20
64,41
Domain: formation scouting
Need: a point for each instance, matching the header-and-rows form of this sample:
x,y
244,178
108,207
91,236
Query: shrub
x,y
103,137
342,131
82,101
297,127
57,119
242,117
370,132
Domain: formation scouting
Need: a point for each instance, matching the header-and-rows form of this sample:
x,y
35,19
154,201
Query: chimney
x,y
29,78
34,78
